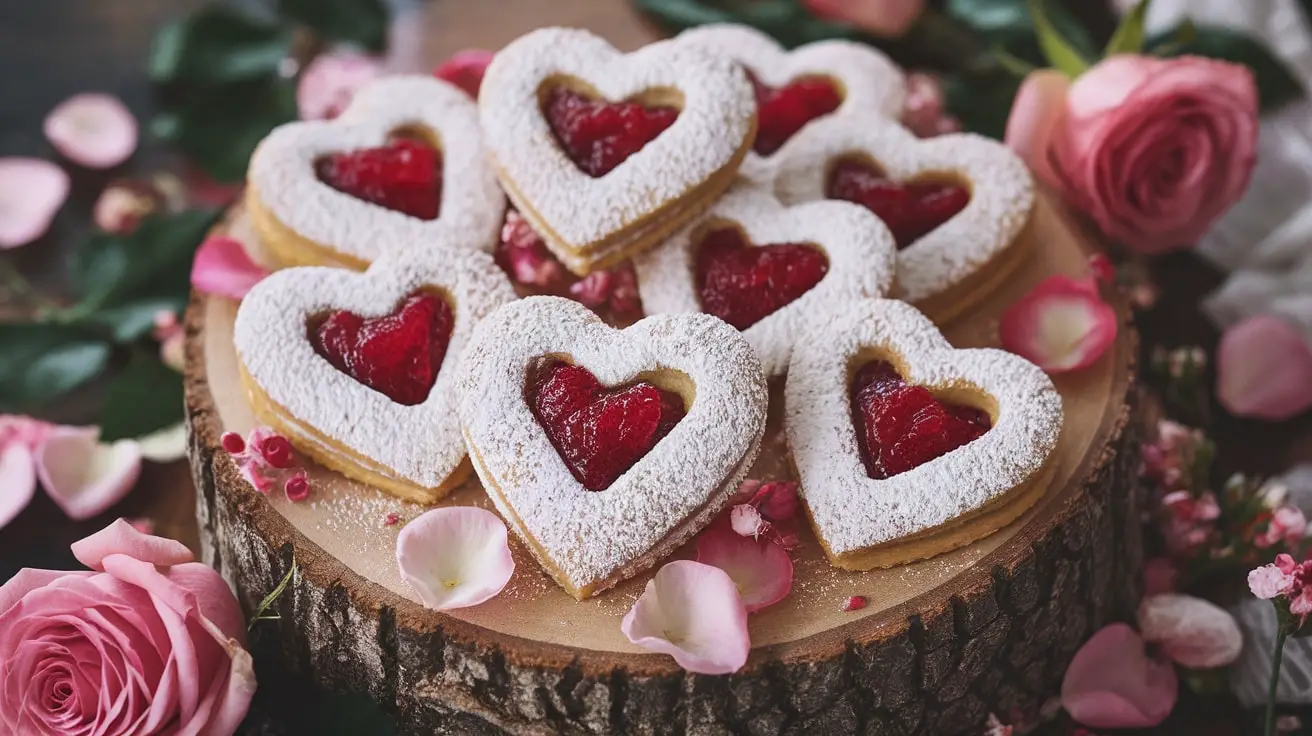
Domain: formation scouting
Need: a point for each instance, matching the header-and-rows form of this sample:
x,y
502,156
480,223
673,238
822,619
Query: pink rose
x,y
1154,150
149,643
887,18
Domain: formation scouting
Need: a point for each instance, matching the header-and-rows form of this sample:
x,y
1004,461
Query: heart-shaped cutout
x,y
599,135
590,540
299,337
957,261
942,492
397,354
771,299
911,210
599,432
647,191
794,88
335,193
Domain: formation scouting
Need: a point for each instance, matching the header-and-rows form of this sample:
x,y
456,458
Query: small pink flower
x,y
1285,563
1113,683
465,69
923,113
1301,605
746,521
692,612
1264,369
123,204
525,257
760,569
454,557
223,268
297,487
616,288
1269,581
94,130
1287,526
31,192
1062,325
777,500
330,81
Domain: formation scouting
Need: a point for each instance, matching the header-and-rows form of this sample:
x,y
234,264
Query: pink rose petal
x,y
223,268
24,430
693,613
1062,325
165,445
761,570
1036,115
31,192
465,69
83,476
330,82
1195,633
746,520
92,129
1112,683
777,500
455,557
17,481
1264,369
121,538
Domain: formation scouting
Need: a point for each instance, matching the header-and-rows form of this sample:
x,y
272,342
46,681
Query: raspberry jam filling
x,y
910,209
599,135
742,285
397,355
900,426
599,432
782,111
403,175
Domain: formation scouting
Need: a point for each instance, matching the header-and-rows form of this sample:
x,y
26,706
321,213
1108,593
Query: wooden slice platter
x,y
988,627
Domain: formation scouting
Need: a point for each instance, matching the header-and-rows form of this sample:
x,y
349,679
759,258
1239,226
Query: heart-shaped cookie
x,y
589,540
855,251
595,222
311,374
305,220
793,88
1003,412
960,260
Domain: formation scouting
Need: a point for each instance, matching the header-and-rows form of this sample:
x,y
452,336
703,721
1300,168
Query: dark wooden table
x,y
50,49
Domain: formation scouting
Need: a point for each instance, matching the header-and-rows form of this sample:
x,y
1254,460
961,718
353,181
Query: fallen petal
x,y
1062,325
693,613
83,476
455,557
746,520
1112,683
1193,632
1264,369
92,129
166,445
121,537
31,192
17,481
777,500
223,268
465,69
761,570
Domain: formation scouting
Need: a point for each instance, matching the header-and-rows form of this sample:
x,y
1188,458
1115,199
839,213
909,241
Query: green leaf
x,y
1009,23
143,397
153,262
272,597
1064,57
358,21
982,102
40,362
1170,42
219,128
217,44
134,320
1276,85
1128,38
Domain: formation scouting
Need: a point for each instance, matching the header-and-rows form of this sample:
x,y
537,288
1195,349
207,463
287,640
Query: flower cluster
x,y
265,459
1287,580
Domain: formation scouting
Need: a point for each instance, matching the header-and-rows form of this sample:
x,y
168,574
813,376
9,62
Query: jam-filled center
x,y
910,209
404,174
742,284
599,135
782,111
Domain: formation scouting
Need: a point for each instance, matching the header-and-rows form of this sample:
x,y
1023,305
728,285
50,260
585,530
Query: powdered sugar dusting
x,y
869,81
420,444
718,114
1002,191
670,493
852,511
282,173
859,247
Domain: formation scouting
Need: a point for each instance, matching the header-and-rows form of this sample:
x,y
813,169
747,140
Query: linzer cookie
x,y
358,370
768,269
906,448
793,88
402,165
956,204
606,449
605,154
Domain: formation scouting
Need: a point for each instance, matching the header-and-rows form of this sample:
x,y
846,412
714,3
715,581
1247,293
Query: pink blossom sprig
x,y
266,459
1288,585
